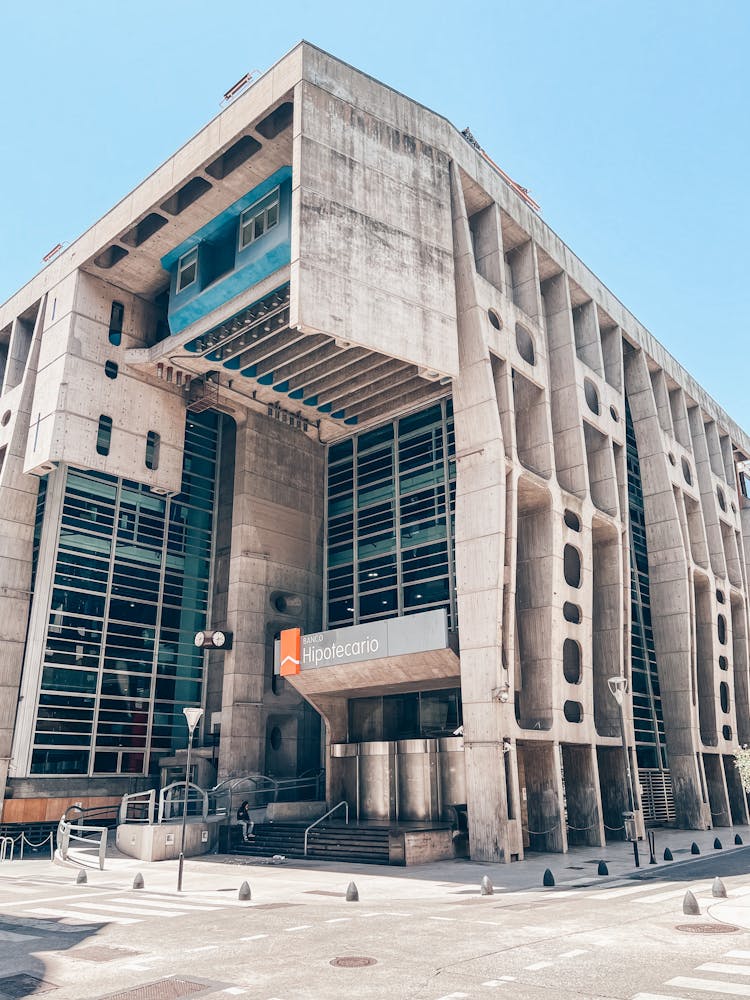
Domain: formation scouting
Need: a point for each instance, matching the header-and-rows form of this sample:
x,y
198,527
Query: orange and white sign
x,y
291,639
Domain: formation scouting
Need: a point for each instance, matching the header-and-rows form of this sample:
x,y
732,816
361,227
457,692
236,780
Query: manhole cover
x,y
162,989
102,953
24,985
352,962
707,928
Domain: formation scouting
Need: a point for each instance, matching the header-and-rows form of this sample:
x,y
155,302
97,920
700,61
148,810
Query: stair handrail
x,y
338,805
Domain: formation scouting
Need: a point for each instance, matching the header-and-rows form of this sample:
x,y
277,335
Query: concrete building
x,y
328,369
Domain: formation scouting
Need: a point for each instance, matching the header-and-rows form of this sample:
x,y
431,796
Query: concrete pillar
x,y
276,552
18,495
480,549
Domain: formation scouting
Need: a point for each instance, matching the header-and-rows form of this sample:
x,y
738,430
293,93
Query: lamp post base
x,y
179,872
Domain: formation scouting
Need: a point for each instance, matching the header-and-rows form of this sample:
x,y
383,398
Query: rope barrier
x,y
582,829
540,833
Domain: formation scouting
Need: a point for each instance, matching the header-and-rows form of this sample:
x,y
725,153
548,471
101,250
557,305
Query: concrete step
x,y
339,842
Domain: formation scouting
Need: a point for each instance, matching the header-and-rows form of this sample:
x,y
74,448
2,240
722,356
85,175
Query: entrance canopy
x,y
380,657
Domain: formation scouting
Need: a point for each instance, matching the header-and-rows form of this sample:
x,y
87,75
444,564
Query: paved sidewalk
x,y
301,881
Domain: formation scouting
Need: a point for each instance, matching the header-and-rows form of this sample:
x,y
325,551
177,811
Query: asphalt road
x,y
618,939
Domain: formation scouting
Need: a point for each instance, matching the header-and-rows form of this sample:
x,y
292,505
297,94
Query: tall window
x,y
116,317
153,441
187,270
258,219
130,590
648,721
391,502
104,435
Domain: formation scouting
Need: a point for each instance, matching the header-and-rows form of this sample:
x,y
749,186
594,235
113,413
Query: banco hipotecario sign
x,y
356,643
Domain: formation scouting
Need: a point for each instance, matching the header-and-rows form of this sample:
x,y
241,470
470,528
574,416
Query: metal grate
x,y
23,985
162,989
657,799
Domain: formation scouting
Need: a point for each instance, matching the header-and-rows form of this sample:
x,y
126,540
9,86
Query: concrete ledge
x,y
161,842
420,847
288,812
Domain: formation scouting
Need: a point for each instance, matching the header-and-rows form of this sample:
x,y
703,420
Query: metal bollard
x,y
652,847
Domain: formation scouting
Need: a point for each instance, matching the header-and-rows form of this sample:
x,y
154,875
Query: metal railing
x,y
68,831
260,789
330,812
138,807
173,796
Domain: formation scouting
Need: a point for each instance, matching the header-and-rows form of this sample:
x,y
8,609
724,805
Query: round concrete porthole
x,y
614,414
525,344
592,396
686,471
495,319
573,711
572,520
721,498
5,418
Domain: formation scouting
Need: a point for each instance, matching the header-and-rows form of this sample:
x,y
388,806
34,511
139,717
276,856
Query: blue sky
x,y
628,122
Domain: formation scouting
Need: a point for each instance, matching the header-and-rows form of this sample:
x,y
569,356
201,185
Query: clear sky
x,y
627,120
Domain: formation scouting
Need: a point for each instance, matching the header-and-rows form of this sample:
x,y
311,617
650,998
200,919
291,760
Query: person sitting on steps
x,y
243,816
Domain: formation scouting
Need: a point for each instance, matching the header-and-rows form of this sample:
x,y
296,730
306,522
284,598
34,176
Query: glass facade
x,y
131,587
648,720
418,714
390,518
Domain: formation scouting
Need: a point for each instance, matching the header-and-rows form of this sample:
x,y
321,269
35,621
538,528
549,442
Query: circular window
x,y
721,498
276,738
614,414
723,663
726,732
571,661
720,596
724,696
572,520
525,344
592,396
571,613
5,418
672,459
686,472
572,566
573,711
495,319
721,629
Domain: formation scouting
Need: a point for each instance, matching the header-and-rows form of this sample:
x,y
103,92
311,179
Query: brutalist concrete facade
x,y
324,257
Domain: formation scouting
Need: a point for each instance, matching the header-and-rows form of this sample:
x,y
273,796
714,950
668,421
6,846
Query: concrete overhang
x,y
430,670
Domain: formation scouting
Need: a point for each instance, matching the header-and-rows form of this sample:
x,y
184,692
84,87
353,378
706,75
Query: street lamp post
x,y
192,717
618,687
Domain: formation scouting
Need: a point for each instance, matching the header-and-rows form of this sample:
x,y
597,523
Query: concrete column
x,y
480,549
671,611
276,552
18,495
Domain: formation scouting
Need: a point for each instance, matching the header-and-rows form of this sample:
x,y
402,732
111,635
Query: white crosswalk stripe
x,y
721,988
723,982
84,918
107,907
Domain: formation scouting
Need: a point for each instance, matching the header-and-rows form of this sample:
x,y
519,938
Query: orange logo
x,y
291,639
